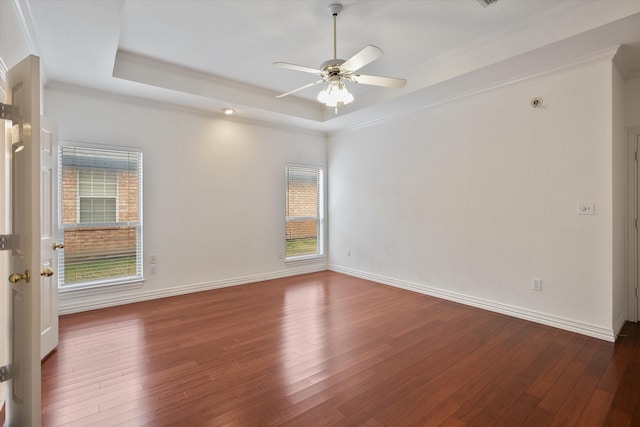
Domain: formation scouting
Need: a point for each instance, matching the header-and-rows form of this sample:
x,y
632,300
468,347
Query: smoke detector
x,y
485,3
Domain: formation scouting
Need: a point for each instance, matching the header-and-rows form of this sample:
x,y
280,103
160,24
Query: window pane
x,y
97,182
302,238
94,254
96,209
302,211
100,194
302,192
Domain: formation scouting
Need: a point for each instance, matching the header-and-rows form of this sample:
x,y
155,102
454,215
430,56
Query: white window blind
x,y
100,192
303,212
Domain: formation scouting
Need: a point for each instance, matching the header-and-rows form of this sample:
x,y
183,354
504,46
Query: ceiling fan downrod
x,y
335,10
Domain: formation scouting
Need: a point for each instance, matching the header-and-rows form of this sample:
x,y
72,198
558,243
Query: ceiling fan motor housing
x,y
331,68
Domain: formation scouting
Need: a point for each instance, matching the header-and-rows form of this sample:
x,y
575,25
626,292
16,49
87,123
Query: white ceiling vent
x,y
486,3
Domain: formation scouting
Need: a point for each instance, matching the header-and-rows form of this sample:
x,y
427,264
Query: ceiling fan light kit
x,y
335,72
335,94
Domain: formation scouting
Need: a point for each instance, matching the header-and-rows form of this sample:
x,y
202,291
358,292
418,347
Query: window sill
x,y
99,288
308,259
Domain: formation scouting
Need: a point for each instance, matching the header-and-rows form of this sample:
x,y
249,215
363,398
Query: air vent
x,y
486,3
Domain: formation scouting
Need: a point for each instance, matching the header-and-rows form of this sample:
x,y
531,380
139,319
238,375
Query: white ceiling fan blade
x,y
298,89
298,68
365,79
362,58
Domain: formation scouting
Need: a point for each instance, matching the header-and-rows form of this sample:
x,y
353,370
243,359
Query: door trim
x,y
634,235
4,255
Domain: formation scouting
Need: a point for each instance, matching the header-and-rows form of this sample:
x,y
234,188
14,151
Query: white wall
x,y
213,191
472,199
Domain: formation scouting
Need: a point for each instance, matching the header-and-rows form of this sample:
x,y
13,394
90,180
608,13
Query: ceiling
x,y
205,55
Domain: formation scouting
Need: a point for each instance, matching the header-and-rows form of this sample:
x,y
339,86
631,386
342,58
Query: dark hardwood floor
x,y
329,349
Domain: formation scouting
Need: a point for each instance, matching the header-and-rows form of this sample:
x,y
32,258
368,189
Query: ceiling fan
x,y
335,72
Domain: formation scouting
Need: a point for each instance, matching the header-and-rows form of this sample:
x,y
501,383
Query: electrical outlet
x,y
348,252
536,285
153,269
153,259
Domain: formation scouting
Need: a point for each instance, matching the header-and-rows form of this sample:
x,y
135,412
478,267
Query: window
x,y
304,214
100,192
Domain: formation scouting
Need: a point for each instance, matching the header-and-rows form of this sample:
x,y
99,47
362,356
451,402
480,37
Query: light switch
x,y
586,208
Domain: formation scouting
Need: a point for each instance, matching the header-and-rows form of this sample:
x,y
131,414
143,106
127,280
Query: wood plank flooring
x,y
329,349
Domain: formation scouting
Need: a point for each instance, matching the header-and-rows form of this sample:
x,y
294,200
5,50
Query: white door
x,y
23,91
49,231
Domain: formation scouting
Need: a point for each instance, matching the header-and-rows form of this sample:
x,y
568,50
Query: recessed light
x,y
228,111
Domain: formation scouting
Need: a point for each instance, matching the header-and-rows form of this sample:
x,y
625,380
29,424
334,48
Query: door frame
x,y
4,255
633,272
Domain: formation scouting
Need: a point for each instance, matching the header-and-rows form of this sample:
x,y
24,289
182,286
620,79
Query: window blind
x,y
303,211
100,194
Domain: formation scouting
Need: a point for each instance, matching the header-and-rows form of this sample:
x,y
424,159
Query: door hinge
x,y
5,242
9,112
5,373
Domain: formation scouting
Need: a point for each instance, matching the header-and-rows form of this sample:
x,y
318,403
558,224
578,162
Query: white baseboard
x,y
67,305
619,323
521,313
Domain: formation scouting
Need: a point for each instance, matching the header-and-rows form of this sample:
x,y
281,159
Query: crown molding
x,y
496,36
627,61
150,103
433,102
141,69
23,12
3,71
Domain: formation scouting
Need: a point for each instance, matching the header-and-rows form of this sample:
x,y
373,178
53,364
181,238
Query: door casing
x,y
633,264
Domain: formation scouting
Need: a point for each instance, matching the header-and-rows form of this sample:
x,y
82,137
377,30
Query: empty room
x,y
300,213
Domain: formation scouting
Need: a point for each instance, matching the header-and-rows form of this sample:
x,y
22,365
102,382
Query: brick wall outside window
x,y
306,196
88,243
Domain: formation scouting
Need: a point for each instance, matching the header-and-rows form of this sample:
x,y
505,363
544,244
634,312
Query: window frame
x,y
320,222
118,282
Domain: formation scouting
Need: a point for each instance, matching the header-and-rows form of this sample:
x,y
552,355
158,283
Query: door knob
x,y
58,246
15,278
47,272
